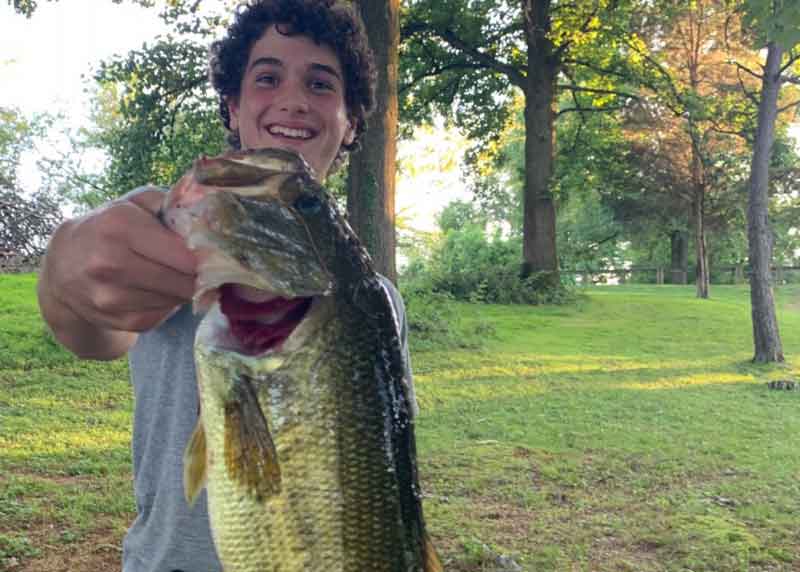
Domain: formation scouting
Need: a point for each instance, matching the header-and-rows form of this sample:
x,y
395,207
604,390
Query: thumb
x,y
149,198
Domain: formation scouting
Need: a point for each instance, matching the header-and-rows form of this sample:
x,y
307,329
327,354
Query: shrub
x,y
468,265
434,321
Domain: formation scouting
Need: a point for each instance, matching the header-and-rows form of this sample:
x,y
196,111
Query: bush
x,y
468,265
434,321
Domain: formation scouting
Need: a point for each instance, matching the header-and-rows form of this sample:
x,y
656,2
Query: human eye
x,y
266,79
322,85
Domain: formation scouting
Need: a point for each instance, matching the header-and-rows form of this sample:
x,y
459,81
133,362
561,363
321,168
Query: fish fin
x,y
250,454
194,464
430,561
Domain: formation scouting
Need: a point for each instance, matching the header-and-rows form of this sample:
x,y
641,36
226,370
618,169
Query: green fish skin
x,y
306,448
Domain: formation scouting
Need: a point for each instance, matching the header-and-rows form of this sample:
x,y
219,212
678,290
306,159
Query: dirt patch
x,y
60,480
98,550
48,543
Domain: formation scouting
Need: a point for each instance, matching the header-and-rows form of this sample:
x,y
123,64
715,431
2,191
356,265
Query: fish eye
x,y
307,204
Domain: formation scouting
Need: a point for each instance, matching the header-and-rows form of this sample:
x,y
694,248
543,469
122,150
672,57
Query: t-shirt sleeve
x,y
400,312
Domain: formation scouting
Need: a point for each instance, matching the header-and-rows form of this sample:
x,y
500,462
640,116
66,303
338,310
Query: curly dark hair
x,y
328,22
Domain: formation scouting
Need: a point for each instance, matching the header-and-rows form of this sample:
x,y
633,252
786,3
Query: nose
x,y
293,98
295,105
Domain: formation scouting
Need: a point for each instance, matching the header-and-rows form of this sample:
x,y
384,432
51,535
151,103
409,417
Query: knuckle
x,y
112,222
105,300
100,266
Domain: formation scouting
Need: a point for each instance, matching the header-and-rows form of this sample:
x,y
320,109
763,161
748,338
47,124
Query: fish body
x,y
305,438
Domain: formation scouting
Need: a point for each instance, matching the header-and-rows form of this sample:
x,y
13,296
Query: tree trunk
x,y
372,171
702,280
766,338
539,221
679,246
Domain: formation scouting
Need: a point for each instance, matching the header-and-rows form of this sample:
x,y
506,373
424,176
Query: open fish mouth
x,y
257,327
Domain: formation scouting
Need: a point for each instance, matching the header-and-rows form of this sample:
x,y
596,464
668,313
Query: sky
x,y
46,63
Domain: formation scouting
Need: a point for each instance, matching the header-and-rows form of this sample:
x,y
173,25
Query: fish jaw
x,y
235,213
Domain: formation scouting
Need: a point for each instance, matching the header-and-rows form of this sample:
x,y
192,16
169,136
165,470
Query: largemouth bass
x,y
305,441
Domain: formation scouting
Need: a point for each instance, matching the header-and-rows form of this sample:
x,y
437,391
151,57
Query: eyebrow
x,y
270,61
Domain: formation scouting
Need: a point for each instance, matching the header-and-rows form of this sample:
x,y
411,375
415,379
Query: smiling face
x,y
292,96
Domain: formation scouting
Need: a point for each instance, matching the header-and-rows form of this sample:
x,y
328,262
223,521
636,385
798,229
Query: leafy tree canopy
x,y
16,136
773,20
468,60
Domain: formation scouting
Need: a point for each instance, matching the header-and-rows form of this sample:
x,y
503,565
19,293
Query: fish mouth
x,y
257,327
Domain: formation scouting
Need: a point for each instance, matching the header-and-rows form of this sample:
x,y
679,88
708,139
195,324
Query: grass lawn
x,y
628,431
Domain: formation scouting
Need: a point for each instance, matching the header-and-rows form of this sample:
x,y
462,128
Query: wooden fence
x,y
738,274
15,263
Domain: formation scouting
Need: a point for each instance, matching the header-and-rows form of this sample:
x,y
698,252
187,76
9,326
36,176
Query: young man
x,y
295,74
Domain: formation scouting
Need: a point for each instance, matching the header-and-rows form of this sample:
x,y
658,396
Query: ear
x,y
350,132
233,110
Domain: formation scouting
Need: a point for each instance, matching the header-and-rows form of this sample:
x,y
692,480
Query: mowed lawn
x,y
627,431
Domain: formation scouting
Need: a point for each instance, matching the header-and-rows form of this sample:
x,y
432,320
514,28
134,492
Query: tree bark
x,y
766,337
679,247
372,170
539,219
695,43
702,280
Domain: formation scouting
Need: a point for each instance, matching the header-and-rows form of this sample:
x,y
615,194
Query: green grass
x,y
65,464
627,431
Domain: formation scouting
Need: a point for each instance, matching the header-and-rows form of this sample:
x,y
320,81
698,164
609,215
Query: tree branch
x,y
747,70
717,129
788,106
559,53
590,109
579,89
515,75
515,26
438,71
661,71
792,58
596,68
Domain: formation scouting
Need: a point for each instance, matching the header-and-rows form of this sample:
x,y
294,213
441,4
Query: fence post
x,y
659,276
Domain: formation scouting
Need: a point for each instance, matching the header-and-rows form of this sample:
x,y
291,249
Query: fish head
x,y
259,225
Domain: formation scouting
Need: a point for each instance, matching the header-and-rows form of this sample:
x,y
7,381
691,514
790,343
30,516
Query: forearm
x,y
82,338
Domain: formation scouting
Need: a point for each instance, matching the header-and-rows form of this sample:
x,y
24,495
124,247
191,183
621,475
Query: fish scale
x,y
311,453
306,448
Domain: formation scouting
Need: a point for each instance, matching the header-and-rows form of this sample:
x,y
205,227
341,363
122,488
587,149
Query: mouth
x,y
260,323
290,133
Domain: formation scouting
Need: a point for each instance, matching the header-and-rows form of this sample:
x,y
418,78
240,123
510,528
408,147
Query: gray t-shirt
x,y
167,534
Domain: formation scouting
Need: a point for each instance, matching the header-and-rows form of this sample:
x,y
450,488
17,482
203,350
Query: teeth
x,y
289,132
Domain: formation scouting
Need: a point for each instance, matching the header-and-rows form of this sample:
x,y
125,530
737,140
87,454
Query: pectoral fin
x,y
430,561
194,464
250,455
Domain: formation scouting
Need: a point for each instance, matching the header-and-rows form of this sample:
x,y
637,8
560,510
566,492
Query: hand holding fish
x,y
111,273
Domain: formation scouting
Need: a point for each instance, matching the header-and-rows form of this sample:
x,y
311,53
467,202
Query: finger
x,y
129,309
133,300
135,321
149,199
164,247
147,237
139,273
